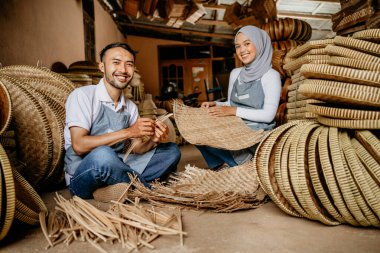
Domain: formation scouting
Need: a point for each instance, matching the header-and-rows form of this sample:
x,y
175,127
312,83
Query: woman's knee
x,y
173,151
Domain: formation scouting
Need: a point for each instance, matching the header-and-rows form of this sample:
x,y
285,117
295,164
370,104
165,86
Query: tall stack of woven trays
x,y
356,15
83,73
31,140
327,168
286,34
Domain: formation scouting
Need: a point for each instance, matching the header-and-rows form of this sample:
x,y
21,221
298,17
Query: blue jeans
x,y
216,157
102,167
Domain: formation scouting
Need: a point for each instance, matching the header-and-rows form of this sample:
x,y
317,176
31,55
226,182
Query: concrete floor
x,y
266,229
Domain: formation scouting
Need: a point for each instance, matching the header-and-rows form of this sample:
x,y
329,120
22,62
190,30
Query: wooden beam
x,y
215,7
178,31
212,22
302,15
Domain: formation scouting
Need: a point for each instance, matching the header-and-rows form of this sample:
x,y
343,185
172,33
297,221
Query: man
x,y
99,121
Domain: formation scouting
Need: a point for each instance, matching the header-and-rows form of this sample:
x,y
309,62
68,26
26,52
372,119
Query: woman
x,y
253,94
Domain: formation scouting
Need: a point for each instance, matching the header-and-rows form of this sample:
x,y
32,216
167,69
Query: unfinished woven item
x,y
325,71
133,226
228,190
200,128
370,35
339,92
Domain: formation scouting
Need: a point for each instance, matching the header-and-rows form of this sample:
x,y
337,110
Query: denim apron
x,y
249,95
109,121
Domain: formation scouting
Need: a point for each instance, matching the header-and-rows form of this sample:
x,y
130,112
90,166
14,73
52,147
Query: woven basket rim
x,y
350,124
6,108
332,111
9,196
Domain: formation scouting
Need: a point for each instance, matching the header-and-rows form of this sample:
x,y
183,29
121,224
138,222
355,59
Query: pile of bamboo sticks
x,y
134,226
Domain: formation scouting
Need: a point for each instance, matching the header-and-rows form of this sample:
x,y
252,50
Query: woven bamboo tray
x,y
370,35
354,63
357,44
336,73
334,111
351,53
339,92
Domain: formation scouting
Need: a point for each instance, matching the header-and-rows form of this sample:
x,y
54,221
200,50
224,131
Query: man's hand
x,y
161,132
142,127
222,111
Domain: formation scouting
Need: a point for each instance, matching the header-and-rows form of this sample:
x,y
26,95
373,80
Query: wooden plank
x,y
301,15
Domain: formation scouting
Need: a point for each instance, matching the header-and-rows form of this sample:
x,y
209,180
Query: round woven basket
x,y
360,45
343,112
297,52
351,53
32,131
370,142
5,109
350,124
354,63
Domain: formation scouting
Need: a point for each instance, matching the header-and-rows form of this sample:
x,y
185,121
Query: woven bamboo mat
x,y
199,128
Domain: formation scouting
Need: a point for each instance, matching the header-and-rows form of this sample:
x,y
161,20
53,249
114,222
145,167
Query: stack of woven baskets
x,y
31,139
356,15
327,168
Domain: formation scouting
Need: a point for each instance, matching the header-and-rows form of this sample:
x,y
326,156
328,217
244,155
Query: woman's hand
x,y
161,132
222,111
208,104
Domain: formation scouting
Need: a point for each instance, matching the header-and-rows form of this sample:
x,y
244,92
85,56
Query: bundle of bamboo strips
x,y
134,226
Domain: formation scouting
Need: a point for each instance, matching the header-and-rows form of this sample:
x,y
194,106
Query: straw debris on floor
x,y
134,226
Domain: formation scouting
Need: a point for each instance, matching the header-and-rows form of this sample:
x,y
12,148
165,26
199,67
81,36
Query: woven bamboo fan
x,y
354,63
33,134
370,35
297,52
351,53
7,194
199,128
5,109
360,45
339,92
325,71
343,112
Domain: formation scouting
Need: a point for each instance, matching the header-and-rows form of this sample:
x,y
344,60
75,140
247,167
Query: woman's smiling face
x,y
245,49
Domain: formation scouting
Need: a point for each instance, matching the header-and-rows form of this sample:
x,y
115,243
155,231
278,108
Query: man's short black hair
x,y
117,44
